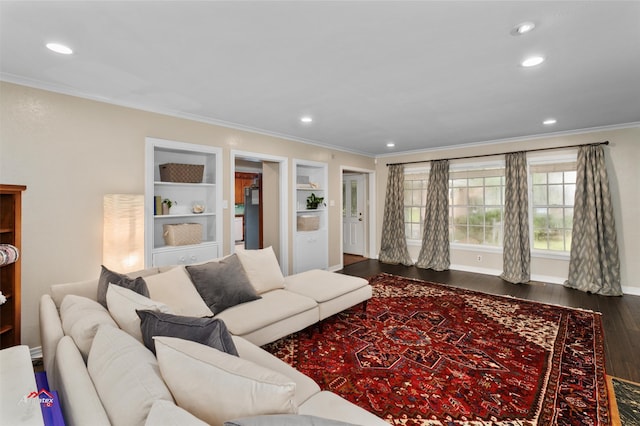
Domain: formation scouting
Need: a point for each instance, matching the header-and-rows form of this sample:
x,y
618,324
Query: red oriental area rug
x,y
429,354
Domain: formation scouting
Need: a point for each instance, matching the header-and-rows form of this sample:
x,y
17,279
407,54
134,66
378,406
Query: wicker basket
x,y
184,173
182,234
308,222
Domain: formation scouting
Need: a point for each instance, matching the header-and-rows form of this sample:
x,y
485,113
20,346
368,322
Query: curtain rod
x,y
500,153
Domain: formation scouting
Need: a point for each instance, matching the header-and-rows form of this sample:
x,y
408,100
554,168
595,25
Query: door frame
x,y
370,209
283,172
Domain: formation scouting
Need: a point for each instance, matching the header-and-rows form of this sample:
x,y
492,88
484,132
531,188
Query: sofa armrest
x,y
305,386
80,402
88,289
50,334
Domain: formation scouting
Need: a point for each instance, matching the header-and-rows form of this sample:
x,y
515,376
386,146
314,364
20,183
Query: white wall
x,y
71,151
623,164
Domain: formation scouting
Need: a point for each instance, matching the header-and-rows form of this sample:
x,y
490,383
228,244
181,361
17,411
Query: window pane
x,y
569,194
570,177
539,195
555,177
476,182
460,215
492,181
476,196
476,235
556,219
492,216
567,240
458,182
459,196
539,178
415,215
476,216
493,235
354,198
539,241
556,195
568,218
460,234
492,196
407,214
540,218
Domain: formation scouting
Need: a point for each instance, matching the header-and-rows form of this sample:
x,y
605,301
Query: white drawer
x,y
185,256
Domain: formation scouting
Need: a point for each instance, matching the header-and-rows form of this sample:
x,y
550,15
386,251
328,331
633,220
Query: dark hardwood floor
x,y
620,315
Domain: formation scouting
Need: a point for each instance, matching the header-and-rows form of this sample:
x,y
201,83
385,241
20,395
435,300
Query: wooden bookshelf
x,y
10,233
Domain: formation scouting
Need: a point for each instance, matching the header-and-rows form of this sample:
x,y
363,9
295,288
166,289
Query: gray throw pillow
x,y
222,284
285,420
109,277
207,331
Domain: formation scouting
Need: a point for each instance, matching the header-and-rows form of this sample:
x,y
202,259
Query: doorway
x,y
357,215
269,192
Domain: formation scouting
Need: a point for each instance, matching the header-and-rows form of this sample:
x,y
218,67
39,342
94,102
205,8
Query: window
x,y
553,188
415,198
476,204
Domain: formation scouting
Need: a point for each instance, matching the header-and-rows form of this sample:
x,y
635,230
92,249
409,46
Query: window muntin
x,y
415,198
553,190
476,205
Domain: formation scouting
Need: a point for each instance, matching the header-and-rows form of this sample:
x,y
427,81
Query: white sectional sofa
x,y
95,358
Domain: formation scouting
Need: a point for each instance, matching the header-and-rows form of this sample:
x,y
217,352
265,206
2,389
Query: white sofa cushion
x,y
122,304
286,420
274,306
126,376
165,413
262,268
215,386
81,318
80,401
305,386
175,289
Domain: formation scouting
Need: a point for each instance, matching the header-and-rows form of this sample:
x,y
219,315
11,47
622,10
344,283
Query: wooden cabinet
x,y
184,195
311,234
243,180
10,233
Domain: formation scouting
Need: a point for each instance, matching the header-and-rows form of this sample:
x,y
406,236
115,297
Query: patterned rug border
x,y
506,296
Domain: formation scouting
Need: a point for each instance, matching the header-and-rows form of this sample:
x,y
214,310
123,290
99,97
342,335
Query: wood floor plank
x,y
620,315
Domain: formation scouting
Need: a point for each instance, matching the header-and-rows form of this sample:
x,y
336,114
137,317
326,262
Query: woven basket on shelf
x,y
308,222
183,173
182,234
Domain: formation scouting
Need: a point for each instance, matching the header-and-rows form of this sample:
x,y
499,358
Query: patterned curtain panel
x,y
434,253
594,265
393,248
516,255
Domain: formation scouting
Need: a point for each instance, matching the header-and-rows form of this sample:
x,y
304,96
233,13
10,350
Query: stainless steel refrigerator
x,y
251,218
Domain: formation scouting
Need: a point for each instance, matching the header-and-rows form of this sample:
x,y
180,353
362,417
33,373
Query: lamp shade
x,y
123,237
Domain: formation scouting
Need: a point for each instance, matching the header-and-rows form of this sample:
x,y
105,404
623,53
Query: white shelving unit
x,y
207,193
310,228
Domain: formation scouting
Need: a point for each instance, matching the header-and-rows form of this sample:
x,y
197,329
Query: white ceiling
x,y
422,74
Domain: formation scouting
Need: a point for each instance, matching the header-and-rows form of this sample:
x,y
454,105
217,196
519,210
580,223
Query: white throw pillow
x,y
123,303
175,289
81,317
262,268
126,377
165,413
215,386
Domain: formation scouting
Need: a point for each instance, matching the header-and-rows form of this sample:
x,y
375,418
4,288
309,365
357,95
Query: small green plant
x,y
313,202
169,202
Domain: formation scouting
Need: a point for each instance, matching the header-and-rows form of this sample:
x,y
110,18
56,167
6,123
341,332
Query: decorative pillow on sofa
x,y
109,277
126,376
222,284
285,420
81,318
262,268
175,289
215,386
207,331
123,303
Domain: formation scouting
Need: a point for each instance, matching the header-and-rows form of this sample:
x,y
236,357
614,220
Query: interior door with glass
x,y
353,214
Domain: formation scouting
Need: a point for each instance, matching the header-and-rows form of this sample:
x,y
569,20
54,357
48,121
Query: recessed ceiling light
x,y
523,28
390,144
532,61
59,48
549,121
306,119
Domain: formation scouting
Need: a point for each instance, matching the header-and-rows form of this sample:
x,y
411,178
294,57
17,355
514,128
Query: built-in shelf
x,y
185,195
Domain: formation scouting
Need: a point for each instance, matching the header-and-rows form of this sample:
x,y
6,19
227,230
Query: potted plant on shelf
x,y
166,205
313,202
